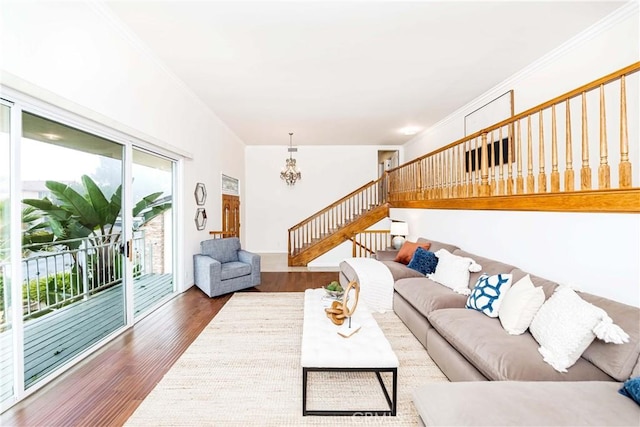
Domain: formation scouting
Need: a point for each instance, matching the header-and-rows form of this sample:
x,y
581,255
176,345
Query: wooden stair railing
x,y
366,243
222,234
337,222
514,176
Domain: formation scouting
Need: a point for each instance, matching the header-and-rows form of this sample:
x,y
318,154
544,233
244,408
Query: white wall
x,y
598,252
74,54
328,174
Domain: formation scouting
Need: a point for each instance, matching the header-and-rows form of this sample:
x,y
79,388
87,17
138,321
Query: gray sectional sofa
x,y
472,349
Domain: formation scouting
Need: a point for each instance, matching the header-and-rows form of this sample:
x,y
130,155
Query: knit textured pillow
x,y
566,324
423,261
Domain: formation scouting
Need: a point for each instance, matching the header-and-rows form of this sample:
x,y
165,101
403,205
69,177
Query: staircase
x,y
338,222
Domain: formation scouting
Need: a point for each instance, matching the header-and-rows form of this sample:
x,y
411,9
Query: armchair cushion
x,y
223,250
234,269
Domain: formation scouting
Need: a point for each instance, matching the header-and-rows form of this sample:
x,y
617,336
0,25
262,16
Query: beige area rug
x,y
244,370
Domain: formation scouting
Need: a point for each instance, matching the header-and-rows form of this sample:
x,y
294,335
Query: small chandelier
x,y
290,172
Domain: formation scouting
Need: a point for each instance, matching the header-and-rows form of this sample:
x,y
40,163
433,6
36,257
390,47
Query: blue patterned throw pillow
x,y
489,293
423,261
631,388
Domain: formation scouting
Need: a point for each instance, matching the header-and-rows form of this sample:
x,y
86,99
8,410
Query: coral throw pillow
x,y
408,249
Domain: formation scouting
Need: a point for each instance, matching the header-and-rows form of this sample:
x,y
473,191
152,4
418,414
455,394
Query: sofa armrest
x,y
254,260
387,255
206,270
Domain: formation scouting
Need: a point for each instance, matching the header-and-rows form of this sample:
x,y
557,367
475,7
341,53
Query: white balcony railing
x,y
58,274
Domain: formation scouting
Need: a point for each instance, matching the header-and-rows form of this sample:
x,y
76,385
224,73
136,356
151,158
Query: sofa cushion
x,y
231,270
500,356
423,261
436,245
425,295
616,360
512,403
400,271
548,287
488,293
489,266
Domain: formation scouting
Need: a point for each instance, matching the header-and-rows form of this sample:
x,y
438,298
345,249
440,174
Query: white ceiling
x,y
347,73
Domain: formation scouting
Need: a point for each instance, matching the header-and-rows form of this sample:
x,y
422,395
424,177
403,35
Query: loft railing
x,y
533,154
337,215
368,242
57,275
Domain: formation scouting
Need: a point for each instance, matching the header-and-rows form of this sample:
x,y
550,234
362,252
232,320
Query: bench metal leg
x,y
391,399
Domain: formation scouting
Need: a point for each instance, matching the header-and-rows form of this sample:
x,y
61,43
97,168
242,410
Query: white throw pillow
x,y
520,305
489,292
452,271
566,324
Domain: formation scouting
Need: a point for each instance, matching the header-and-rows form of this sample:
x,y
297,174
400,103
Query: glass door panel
x,y
73,271
153,252
6,318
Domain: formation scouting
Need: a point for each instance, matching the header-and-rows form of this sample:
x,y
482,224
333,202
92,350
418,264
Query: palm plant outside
x,y
71,218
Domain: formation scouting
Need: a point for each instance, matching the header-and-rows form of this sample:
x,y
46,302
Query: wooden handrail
x,y
222,234
633,68
320,228
474,166
370,245
336,203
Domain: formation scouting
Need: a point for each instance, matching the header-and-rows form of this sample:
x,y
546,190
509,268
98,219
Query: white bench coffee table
x,y
323,350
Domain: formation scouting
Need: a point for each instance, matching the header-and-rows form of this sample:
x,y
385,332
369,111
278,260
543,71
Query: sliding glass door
x,y
153,178
73,269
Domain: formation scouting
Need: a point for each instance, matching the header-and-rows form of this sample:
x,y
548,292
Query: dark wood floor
x,y
106,388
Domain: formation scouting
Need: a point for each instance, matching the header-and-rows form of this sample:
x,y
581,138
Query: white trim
x,y
16,255
623,12
127,221
178,227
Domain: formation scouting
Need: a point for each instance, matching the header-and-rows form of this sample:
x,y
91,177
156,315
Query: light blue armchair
x,y
223,267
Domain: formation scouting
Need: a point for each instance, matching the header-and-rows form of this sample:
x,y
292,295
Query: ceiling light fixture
x,y
290,172
52,136
410,130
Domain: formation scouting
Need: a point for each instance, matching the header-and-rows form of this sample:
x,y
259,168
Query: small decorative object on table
x,y
334,290
340,310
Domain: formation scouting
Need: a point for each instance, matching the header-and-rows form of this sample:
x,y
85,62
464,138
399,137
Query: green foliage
x,y
60,285
72,215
